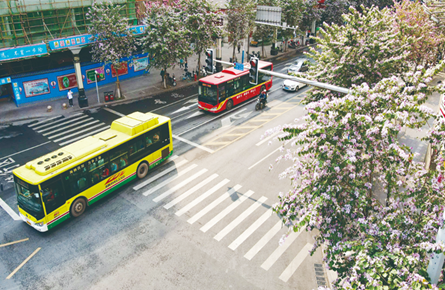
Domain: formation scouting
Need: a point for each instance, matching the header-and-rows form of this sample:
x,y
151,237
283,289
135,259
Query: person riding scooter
x,y
263,97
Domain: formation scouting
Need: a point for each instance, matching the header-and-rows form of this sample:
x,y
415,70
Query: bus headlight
x,y
39,224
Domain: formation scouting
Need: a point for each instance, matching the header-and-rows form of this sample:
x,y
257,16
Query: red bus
x,y
230,87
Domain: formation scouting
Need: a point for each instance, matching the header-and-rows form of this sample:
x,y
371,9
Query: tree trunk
x,y
248,43
233,53
199,64
263,55
165,77
118,84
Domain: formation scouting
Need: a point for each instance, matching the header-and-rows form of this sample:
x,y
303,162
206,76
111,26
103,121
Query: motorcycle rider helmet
x,y
264,91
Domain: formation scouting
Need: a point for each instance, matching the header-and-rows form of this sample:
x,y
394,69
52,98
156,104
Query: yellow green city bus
x,y
63,183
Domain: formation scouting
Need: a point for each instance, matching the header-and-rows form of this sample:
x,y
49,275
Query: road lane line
x,y
264,158
179,185
250,230
226,211
15,242
9,210
201,197
162,184
193,144
212,205
296,262
78,132
64,128
61,123
263,241
114,112
280,250
23,263
44,121
74,129
25,150
190,191
267,138
239,219
168,105
162,173
84,136
62,120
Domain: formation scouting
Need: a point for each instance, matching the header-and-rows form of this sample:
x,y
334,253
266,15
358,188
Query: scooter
x,y
291,44
171,80
260,104
204,71
187,75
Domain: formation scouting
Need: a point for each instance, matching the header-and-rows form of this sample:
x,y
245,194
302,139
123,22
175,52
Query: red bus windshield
x,y
207,94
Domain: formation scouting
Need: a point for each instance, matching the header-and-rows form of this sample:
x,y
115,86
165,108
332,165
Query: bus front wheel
x,y
229,105
142,170
78,207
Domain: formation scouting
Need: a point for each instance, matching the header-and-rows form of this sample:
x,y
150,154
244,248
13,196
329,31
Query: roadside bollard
x,y
64,106
49,109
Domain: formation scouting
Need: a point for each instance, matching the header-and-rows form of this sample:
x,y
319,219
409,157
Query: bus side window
x,y
237,86
136,146
101,171
118,159
222,93
52,194
76,180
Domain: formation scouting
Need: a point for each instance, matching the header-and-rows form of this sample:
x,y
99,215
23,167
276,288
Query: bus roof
x,y
56,162
230,73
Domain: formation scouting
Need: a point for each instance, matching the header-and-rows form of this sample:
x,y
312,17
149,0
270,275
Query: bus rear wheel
x,y
229,105
142,170
78,207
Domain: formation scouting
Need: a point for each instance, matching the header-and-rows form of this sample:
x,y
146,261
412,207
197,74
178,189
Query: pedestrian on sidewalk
x,y
186,65
162,75
70,97
239,47
181,63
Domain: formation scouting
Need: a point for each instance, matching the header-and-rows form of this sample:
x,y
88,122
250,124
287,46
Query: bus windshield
x,y
207,94
28,198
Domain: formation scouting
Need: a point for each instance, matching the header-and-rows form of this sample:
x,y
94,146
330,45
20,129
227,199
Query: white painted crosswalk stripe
x,y
162,173
62,122
280,250
201,197
239,219
212,205
226,211
50,122
250,230
296,262
73,130
64,126
263,241
179,185
84,136
164,183
190,191
79,132
42,123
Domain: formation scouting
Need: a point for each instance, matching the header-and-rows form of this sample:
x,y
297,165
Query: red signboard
x,y
123,70
67,82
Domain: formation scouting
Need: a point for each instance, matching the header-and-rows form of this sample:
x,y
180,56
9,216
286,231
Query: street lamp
x,y
97,89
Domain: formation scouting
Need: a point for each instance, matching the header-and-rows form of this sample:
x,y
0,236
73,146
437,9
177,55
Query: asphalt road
x,y
204,224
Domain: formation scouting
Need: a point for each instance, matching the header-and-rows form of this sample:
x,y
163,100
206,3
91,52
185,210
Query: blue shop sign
x,y
69,41
23,51
16,89
6,80
138,29
239,66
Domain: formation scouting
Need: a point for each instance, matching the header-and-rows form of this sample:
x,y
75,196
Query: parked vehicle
x,y
171,80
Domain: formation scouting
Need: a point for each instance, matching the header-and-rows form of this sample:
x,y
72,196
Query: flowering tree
x,y
166,37
111,35
345,149
333,10
200,18
240,16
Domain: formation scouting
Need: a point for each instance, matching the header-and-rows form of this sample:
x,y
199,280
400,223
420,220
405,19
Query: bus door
x,y
53,198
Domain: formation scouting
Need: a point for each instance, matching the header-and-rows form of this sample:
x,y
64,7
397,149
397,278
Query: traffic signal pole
x,y
219,54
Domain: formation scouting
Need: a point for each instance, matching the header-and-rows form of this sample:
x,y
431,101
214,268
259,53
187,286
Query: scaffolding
x,y
24,22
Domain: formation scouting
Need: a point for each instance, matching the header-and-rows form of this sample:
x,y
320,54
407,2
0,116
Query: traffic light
x,y
209,60
253,71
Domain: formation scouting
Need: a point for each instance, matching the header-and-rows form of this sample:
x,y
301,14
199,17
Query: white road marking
x,y
62,123
26,150
211,206
9,168
193,144
194,95
162,173
114,112
179,185
162,184
239,219
296,262
84,136
190,191
198,113
267,138
77,133
226,211
263,241
201,197
185,108
226,121
280,250
44,121
246,234
264,158
71,130
9,210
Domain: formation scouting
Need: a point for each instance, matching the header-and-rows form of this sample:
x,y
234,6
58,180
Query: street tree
x,y
361,190
332,11
240,14
111,36
311,13
166,38
201,20
291,14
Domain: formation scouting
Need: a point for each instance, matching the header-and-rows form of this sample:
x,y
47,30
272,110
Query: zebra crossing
x,y
201,205
65,130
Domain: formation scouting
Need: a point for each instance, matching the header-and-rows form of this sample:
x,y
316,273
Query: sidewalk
x,y
148,85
